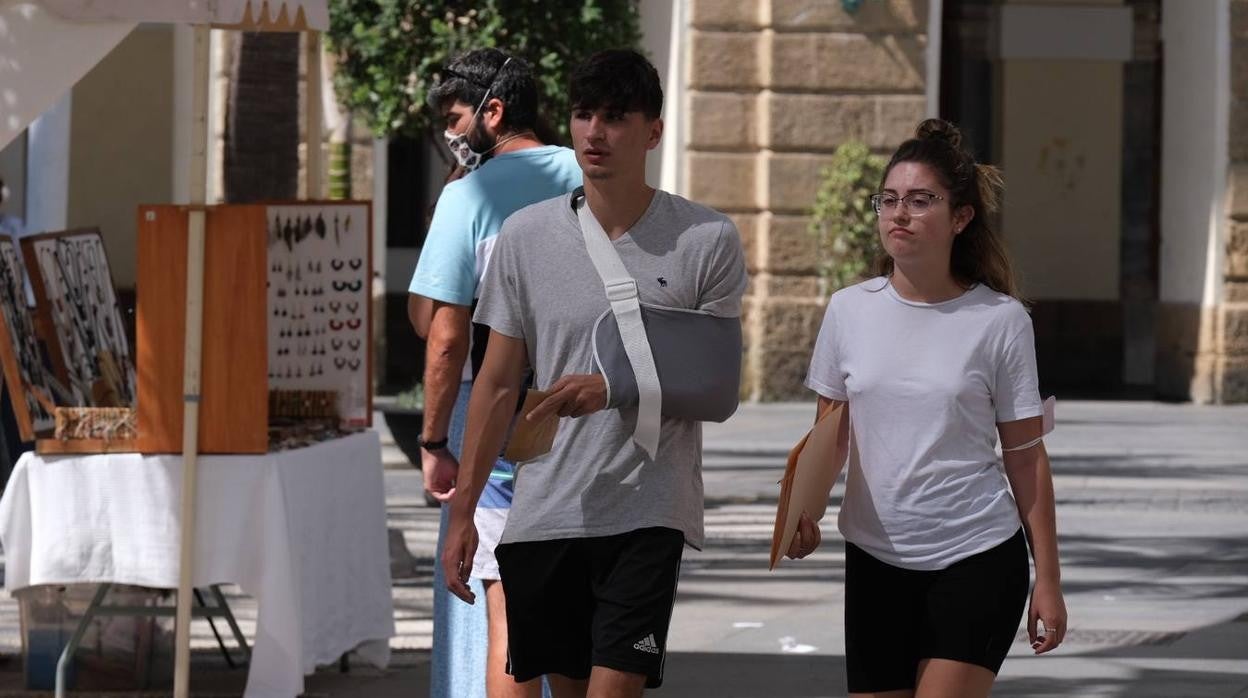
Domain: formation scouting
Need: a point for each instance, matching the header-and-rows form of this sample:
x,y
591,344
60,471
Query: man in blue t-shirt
x,y
489,101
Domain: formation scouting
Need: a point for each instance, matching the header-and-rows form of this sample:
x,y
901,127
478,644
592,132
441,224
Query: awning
x,y
278,15
46,47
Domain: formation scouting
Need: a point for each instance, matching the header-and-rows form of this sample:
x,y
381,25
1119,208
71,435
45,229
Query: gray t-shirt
x,y
541,287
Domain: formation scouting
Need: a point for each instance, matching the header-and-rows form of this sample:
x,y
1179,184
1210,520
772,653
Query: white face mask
x,y
468,158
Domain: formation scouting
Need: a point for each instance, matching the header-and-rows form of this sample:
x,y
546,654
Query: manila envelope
x,y
813,466
530,440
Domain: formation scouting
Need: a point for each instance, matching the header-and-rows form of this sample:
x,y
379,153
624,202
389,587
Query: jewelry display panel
x,y
24,368
74,289
319,313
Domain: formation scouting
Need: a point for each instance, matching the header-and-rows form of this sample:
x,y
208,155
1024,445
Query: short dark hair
x,y
619,79
469,76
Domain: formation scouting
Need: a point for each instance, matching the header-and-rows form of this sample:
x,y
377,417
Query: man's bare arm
x,y
420,314
445,354
494,396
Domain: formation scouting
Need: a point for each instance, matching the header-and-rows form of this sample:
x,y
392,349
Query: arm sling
x,y
673,362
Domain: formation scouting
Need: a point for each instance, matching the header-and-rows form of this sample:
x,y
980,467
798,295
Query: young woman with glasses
x,y
936,358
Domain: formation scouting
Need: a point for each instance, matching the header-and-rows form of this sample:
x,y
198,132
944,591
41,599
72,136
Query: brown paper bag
x,y
813,466
531,440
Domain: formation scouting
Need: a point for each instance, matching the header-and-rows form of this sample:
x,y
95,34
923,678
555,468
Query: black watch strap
x,y
434,445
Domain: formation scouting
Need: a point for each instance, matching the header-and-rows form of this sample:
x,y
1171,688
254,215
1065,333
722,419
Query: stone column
x,y
1202,342
1231,384
774,87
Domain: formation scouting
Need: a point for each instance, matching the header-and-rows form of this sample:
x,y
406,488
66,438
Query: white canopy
x,y
48,46
279,15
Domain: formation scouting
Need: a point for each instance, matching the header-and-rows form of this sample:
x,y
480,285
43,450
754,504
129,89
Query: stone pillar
x,y
1202,342
1231,382
774,87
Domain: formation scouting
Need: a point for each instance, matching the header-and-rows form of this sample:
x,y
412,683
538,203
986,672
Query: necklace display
x,y
78,288
19,325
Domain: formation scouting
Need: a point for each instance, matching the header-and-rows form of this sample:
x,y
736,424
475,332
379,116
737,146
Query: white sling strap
x,y
621,291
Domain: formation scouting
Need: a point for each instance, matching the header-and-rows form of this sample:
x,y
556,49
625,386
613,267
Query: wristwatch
x,y
431,446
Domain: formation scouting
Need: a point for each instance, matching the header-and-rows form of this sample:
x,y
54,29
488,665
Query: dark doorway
x,y
1102,349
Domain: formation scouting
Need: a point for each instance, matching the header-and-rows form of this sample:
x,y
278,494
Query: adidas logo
x,y
647,644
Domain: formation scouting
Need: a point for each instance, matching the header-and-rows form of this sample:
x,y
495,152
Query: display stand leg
x,y
229,618
225,651
67,654
97,609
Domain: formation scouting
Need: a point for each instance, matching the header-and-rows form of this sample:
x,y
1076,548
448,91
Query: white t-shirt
x,y
927,384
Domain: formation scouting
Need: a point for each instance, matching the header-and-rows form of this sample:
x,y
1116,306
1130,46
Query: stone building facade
x,y
1228,375
1203,333
1148,292
773,88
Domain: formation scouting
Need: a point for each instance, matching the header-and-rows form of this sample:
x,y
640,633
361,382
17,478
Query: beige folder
x,y
530,440
813,466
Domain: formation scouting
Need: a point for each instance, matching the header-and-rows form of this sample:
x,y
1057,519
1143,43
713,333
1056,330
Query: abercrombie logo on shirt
x,y
647,644
662,282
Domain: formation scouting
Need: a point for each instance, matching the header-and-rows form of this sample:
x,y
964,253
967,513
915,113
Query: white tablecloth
x,y
302,531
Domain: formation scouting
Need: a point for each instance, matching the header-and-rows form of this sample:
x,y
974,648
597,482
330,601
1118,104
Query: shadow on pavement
x,y
731,675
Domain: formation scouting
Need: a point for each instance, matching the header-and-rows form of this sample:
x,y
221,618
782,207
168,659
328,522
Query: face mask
x,y
468,158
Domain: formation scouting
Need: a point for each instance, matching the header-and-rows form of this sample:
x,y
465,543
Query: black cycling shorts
x,y
894,618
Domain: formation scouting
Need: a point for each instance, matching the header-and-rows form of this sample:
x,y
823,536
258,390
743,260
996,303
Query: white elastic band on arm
x,y
1047,421
1025,446
621,291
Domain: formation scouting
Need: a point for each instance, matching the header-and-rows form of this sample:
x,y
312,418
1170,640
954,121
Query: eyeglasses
x,y
917,203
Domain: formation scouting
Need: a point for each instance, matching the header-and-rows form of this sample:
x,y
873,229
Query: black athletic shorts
x,y
968,612
577,603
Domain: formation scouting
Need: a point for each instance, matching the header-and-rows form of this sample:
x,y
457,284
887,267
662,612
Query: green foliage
x,y
412,399
390,50
842,220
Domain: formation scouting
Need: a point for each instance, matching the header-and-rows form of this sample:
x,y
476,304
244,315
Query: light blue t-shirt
x,y
11,225
471,211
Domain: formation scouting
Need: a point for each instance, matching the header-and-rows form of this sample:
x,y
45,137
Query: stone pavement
x,y
1153,517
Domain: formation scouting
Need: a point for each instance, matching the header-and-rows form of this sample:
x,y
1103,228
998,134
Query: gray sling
x,y
672,362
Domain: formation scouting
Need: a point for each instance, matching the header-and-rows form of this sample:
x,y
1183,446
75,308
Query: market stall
x,y
252,345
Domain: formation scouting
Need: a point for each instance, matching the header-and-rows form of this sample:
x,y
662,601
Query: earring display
x,y
25,374
74,289
319,288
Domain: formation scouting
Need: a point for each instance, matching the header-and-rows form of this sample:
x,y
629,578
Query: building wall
x,y
774,86
1060,128
121,138
13,172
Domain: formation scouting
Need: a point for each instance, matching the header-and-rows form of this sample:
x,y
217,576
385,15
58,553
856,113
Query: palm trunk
x,y
262,120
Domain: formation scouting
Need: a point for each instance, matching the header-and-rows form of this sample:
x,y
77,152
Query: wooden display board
x,y
319,302
234,385
24,369
77,303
